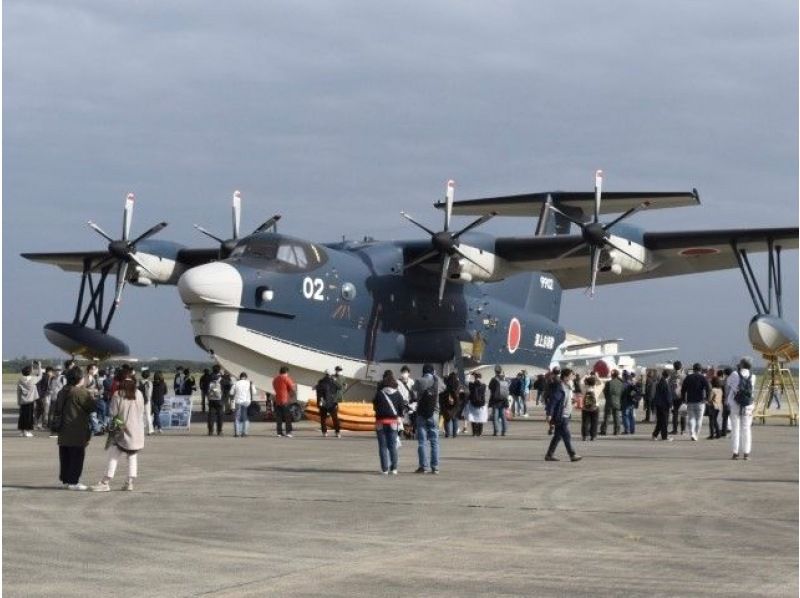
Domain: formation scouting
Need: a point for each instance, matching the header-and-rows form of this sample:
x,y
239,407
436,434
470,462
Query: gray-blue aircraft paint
x,y
358,303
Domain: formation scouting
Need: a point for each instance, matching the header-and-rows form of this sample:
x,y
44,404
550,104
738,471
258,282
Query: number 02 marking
x,y
312,288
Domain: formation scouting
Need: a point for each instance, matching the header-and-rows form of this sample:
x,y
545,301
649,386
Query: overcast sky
x,y
340,114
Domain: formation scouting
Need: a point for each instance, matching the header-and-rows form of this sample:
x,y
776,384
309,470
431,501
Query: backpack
x,y
501,391
744,394
253,409
57,415
477,395
214,390
426,405
589,401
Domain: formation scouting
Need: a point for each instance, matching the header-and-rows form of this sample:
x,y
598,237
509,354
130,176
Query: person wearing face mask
x,y
558,413
405,386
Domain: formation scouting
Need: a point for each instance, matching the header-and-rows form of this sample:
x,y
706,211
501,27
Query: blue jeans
x,y
101,409
240,422
428,430
628,420
520,407
451,427
499,420
387,446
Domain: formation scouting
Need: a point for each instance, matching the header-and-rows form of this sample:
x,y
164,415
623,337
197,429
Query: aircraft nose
x,y
217,283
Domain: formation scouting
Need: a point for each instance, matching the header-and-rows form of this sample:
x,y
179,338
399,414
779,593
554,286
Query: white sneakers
x,y
101,487
128,487
26,434
394,472
79,487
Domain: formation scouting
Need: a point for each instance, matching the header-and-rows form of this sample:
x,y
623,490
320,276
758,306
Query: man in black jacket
x,y
326,402
696,391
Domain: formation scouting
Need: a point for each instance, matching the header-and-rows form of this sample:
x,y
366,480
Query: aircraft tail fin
x,y
532,293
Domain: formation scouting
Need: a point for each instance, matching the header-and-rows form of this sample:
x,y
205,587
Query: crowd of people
x,y
75,405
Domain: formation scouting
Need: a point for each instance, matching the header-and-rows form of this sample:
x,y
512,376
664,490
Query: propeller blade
x,y
443,279
595,265
469,259
483,219
127,216
122,272
448,198
577,223
425,228
149,233
419,260
237,213
570,251
630,212
205,232
598,189
139,263
268,224
621,250
100,231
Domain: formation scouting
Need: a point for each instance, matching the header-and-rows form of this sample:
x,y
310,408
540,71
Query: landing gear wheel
x,y
296,411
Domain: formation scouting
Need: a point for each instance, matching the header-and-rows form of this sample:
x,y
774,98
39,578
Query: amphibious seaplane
x,y
460,298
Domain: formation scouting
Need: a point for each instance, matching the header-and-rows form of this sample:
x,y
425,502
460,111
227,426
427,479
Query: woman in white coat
x,y
476,406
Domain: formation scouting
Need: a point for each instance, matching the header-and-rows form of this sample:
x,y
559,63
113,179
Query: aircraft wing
x,y
69,261
578,203
585,359
672,253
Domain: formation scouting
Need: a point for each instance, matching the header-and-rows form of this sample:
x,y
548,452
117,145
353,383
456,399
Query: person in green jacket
x,y
76,405
613,395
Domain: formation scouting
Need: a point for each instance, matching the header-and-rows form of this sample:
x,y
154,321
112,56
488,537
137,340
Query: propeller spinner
x,y
444,242
227,245
123,251
596,234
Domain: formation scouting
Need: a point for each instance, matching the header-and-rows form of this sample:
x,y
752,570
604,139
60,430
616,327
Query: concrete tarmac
x,y
312,516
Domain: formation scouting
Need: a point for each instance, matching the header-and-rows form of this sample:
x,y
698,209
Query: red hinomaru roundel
x,y
514,335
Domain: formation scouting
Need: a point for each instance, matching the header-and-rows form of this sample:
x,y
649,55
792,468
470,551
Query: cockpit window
x,y
281,253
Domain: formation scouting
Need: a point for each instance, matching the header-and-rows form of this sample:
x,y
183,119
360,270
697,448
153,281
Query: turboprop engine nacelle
x,y
465,271
617,262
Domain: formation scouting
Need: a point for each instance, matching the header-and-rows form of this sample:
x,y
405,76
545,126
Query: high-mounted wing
x,y
667,253
579,203
70,261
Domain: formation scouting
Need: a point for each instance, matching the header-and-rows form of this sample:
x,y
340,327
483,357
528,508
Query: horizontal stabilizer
x,y
579,203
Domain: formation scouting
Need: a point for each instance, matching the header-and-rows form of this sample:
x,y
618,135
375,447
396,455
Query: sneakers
x,y
735,456
101,487
78,487
694,438
128,487
575,458
419,470
28,434
746,456
550,458
393,472
435,471
324,434
338,434
384,473
288,436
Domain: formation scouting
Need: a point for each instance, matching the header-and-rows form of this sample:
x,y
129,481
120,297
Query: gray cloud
x,y
358,110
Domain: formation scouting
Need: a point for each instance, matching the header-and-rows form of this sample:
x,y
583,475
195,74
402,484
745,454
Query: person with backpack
x,y
477,411
215,405
679,408
538,385
515,391
589,411
739,395
426,391
70,421
327,390
57,382
205,380
628,403
405,386
559,413
388,405
498,401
